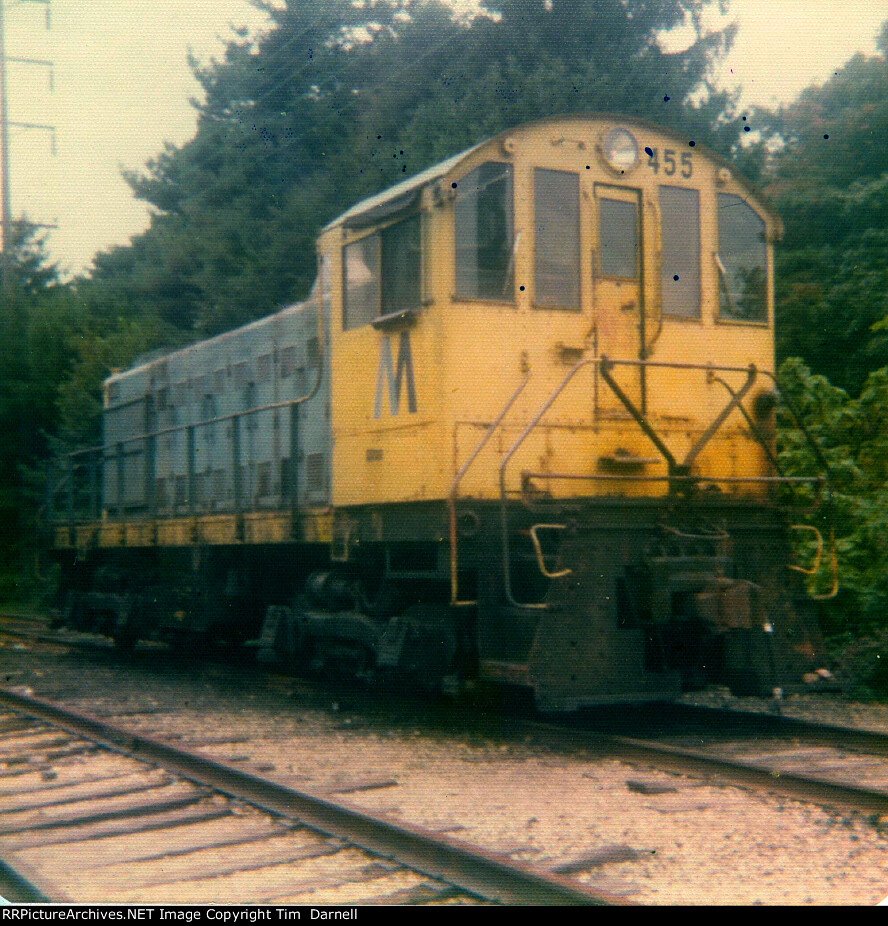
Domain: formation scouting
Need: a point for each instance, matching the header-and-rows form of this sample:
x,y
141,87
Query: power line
x,y
5,125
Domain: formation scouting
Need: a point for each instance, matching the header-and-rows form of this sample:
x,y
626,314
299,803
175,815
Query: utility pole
x,y
4,153
5,188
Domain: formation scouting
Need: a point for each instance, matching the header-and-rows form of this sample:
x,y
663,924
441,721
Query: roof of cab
x,y
399,197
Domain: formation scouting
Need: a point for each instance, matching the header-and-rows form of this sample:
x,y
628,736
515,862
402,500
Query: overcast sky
x,y
121,85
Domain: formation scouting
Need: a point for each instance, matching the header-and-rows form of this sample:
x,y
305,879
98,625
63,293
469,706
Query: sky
x,y
120,89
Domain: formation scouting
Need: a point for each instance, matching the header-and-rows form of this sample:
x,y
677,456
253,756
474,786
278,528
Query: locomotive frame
x,y
522,431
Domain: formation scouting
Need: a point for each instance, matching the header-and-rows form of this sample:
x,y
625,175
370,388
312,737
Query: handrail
x,y
753,427
633,477
175,429
797,418
640,419
679,473
818,556
648,347
815,447
504,517
719,420
538,549
834,570
454,487
821,459
818,553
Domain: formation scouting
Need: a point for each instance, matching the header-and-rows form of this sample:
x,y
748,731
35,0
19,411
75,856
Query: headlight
x,y
620,150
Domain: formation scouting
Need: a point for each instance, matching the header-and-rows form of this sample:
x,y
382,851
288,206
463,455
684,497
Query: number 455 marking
x,y
669,163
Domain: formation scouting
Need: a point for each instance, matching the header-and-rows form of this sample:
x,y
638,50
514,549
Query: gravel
x,y
653,837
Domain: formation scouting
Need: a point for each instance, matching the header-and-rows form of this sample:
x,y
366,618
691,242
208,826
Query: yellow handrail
x,y
539,550
818,556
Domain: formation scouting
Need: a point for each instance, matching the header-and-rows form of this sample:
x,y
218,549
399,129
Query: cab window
x,y
557,239
382,274
618,238
361,282
400,267
485,234
741,261
680,251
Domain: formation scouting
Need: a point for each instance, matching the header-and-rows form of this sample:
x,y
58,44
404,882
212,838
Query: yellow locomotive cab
x,y
525,256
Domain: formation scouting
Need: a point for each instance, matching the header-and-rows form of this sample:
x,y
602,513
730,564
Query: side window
x,y
382,273
180,393
250,403
556,196
680,251
485,234
361,282
741,261
401,267
208,413
618,239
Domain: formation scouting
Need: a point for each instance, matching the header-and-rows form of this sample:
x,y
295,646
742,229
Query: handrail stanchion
x,y
94,503
454,487
69,495
120,461
192,479
235,464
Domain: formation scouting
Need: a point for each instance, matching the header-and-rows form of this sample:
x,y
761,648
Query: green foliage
x,y
34,356
830,184
853,433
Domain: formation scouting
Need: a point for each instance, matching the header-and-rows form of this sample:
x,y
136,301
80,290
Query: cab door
x,y
618,287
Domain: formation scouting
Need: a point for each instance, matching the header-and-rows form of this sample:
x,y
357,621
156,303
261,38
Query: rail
x,y
470,868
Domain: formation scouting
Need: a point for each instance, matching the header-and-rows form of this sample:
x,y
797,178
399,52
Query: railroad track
x,y
833,766
830,765
92,812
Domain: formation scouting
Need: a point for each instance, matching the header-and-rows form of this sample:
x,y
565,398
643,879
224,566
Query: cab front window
x,y
680,251
618,238
557,239
741,261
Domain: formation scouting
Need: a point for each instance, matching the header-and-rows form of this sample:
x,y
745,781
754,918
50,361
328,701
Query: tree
x,y
34,357
853,435
830,184
339,100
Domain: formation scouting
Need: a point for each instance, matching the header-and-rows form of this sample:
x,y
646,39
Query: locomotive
x,y
521,431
